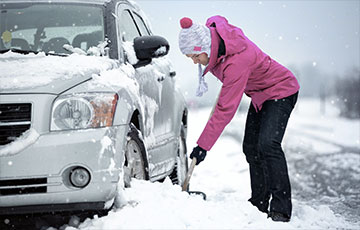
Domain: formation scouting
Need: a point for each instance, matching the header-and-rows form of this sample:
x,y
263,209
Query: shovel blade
x,y
198,193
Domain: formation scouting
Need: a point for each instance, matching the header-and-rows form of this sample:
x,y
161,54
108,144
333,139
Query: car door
x,y
167,139
150,78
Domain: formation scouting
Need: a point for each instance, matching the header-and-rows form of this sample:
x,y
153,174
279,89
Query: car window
x,y
47,27
140,23
128,28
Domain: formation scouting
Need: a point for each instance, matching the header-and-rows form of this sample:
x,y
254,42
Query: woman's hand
x,y
198,153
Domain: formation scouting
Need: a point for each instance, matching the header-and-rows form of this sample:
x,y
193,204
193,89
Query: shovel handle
x,y
188,175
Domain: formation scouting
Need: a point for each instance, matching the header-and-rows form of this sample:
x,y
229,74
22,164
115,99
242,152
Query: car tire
x,y
136,164
181,165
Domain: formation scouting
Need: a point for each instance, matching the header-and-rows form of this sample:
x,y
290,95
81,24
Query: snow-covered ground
x,y
323,153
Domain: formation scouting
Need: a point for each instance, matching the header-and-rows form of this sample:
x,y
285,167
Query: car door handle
x,y
160,79
172,74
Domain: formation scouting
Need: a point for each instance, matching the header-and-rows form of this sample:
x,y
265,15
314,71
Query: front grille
x,y
15,112
23,186
15,119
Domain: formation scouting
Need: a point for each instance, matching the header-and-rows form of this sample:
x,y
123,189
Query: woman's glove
x,y
198,153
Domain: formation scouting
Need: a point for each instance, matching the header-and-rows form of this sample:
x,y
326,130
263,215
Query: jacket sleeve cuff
x,y
202,145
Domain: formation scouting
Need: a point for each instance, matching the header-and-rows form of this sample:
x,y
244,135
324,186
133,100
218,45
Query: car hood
x,y
38,73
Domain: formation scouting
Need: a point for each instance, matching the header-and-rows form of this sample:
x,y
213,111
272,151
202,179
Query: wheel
x,y
136,165
181,165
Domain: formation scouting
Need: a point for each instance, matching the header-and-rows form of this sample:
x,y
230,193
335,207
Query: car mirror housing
x,y
148,47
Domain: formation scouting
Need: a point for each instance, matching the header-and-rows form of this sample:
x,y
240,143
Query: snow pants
x,y
264,132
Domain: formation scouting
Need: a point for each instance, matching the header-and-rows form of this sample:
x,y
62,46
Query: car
x,y
88,101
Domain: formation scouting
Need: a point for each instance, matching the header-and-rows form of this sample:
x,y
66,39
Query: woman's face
x,y
202,58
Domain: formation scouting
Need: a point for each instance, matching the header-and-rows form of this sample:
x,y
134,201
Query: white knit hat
x,y
195,39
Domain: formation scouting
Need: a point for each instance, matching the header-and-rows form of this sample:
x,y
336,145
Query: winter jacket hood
x,y
233,38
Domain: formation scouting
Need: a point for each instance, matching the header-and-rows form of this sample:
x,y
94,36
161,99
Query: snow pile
x,y
20,71
26,139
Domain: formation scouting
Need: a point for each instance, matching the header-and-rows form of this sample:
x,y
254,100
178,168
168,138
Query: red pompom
x,y
186,22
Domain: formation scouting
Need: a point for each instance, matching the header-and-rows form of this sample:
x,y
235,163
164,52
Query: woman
x,y
242,67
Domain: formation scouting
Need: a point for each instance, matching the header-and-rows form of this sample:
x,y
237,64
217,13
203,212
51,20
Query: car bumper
x,y
51,208
39,175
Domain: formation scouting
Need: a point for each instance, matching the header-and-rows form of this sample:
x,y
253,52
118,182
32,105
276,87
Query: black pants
x,y
264,132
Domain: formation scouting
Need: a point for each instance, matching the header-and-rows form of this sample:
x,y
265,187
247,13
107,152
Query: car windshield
x,y
35,27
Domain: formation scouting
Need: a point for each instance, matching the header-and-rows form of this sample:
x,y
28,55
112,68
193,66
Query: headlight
x,y
81,111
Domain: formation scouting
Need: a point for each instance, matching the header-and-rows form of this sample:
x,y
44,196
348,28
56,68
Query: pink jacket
x,y
243,68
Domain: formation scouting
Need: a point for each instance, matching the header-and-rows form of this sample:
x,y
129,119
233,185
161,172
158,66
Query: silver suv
x,y
87,102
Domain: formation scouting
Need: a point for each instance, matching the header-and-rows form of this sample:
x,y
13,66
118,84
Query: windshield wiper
x,y
20,51
57,54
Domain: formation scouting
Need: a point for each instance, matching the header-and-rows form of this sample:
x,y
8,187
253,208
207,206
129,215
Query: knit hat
x,y
195,39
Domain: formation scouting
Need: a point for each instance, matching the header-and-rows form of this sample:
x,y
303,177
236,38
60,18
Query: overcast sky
x,y
324,34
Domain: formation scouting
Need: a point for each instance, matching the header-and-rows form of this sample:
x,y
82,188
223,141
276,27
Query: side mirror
x,y
148,47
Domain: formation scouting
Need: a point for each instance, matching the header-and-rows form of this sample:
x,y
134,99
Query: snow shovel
x,y
185,186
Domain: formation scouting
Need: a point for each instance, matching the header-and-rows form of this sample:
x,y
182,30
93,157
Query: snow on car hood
x,y
38,73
